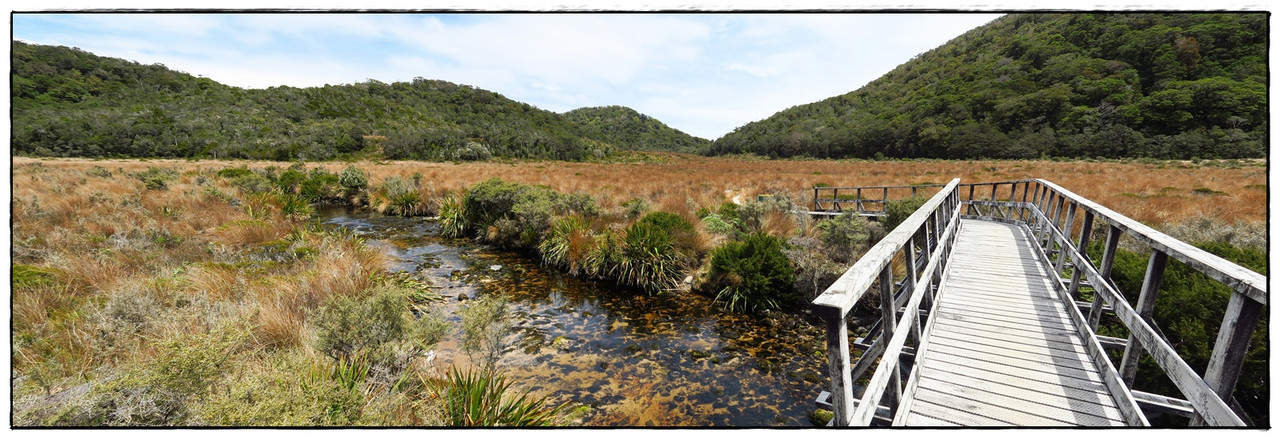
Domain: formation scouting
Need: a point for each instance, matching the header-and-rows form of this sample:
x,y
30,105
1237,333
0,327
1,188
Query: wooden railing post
x,y
912,273
1086,228
889,312
1104,272
838,364
1066,237
1229,350
816,206
1146,303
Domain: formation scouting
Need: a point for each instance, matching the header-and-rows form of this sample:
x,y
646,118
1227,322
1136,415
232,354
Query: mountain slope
x,y
1033,85
624,126
67,102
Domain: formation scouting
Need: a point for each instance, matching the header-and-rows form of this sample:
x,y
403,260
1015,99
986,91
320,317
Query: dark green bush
x,y
230,173
347,327
649,258
753,274
321,186
844,236
897,211
353,180
156,178
518,215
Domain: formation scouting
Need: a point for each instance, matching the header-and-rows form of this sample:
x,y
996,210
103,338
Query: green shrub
x,y
100,172
321,186
486,398
453,217
292,392
517,215
295,207
484,323
291,179
565,244
897,211
753,274
230,173
635,207
252,183
649,259
350,326
844,236
400,197
1189,308
156,178
715,224
353,180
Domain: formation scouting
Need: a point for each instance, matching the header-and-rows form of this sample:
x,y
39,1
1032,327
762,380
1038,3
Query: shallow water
x,y
634,359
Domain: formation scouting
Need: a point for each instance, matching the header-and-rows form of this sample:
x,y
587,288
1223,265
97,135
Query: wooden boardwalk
x,y
1000,349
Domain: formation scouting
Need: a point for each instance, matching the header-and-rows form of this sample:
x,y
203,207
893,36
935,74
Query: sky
x,y
701,73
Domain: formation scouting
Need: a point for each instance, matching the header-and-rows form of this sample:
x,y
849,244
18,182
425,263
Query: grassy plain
x,y
199,295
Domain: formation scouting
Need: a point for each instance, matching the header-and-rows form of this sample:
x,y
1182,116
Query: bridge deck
x,y
1000,348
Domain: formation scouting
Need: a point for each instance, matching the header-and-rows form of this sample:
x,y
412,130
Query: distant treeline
x,y
1174,85
67,102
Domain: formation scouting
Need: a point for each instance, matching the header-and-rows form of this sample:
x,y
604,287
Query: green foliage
x,y
1188,310
156,178
636,207
232,173
295,207
400,197
753,274
29,276
629,129
486,398
349,327
484,323
564,245
453,217
292,392
844,236
98,171
1036,85
67,102
165,390
353,180
716,224
251,183
517,215
897,211
321,186
649,258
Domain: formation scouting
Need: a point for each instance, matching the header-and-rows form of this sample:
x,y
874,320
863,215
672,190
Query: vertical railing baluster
x,y
1104,272
1086,228
1230,347
912,272
838,363
1146,303
889,312
1066,238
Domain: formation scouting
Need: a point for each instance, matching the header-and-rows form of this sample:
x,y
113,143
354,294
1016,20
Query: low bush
x,y
156,178
897,211
375,327
753,274
844,236
517,215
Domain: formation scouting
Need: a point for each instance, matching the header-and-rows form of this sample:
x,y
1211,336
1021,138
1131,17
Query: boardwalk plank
x,y
1002,348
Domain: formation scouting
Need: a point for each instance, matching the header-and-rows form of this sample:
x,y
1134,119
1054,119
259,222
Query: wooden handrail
x,y
935,223
1053,215
1208,394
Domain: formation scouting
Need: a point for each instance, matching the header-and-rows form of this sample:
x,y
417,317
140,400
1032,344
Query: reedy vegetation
x,y
219,246
195,301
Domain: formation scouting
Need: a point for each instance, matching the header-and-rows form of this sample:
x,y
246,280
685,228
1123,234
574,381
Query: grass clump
x,y
487,398
156,178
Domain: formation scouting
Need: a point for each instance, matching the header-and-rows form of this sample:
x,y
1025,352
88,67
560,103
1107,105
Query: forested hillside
x,y
623,126
1062,85
67,102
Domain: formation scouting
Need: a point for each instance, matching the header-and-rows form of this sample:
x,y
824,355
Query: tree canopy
x,y
1173,85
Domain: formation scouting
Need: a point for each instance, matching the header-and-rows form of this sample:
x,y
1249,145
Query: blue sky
x,y
702,73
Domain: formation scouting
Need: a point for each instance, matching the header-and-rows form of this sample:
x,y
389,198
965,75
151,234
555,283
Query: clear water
x,y
633,359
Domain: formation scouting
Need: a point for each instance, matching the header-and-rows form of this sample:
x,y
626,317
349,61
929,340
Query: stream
x,y
624,357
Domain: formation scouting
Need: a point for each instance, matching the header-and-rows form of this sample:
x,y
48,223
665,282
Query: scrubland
x,y
166,293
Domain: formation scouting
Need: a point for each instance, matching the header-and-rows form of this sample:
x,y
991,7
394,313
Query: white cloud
x,y
704,74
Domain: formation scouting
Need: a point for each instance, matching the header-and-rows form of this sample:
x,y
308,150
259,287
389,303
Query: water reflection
x,y
633,359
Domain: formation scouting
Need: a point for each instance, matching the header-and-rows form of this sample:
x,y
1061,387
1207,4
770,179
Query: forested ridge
x,y
68,102
1168,85
624,126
